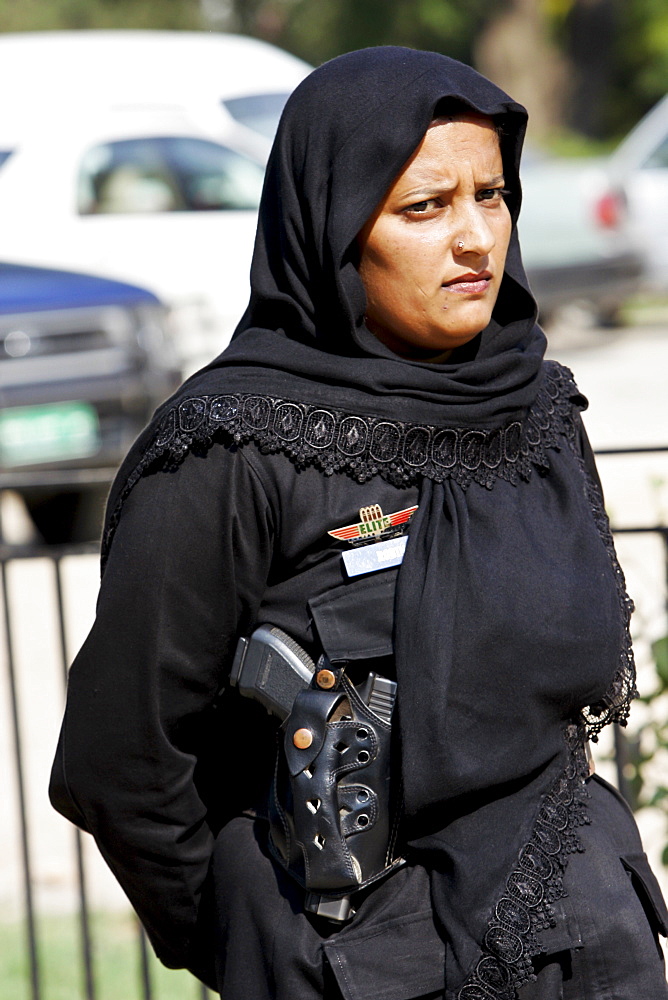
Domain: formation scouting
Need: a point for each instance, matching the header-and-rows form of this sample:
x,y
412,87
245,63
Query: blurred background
x,y
133,139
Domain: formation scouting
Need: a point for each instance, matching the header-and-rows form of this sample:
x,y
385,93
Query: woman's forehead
x,y
449,145
472,117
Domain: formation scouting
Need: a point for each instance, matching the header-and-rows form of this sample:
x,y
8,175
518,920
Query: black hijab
x,y
345,134
485,765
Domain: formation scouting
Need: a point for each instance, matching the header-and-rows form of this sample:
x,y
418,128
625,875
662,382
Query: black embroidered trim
x,y
366,446
534,885
616,704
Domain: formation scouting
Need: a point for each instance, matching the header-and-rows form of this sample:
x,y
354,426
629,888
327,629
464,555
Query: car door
x,y
647,196
142,197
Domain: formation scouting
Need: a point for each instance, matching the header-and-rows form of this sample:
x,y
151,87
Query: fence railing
x,y
7,554
55,558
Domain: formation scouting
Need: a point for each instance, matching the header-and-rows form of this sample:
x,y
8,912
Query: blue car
x,y
84,361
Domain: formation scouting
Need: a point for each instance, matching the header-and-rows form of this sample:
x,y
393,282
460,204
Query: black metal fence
x,y
7,554
87,945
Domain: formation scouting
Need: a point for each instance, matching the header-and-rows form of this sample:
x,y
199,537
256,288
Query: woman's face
x,y
433,253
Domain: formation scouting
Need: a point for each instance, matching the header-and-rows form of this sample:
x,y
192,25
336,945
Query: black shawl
x,y
493,668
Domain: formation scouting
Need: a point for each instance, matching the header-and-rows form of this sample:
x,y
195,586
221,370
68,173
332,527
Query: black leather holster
x,y
332,811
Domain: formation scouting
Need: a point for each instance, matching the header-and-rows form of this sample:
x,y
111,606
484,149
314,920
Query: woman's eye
x,y
422,207
492,194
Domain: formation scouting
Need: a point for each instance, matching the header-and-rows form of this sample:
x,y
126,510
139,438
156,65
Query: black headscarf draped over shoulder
x,y
345,134
486,691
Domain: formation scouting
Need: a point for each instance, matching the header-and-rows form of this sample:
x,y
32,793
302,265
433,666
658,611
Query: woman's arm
x,y
184,578
588,455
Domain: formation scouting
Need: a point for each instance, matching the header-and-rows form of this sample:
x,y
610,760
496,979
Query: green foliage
x,y
660,653
320,29
48,15
577,146
558,10
650,741
316,30
644,52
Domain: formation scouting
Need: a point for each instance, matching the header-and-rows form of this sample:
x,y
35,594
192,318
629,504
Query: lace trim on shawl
x,y
534,884
616,704
366,446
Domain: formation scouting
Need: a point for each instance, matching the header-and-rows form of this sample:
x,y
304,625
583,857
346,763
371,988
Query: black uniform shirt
x,y
201,555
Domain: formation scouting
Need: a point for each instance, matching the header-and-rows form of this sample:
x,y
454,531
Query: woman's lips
x,y
469,284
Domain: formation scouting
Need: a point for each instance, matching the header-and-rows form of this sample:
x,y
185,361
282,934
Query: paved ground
x,y
624,375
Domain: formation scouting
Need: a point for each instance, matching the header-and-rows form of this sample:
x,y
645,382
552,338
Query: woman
x,y
386,384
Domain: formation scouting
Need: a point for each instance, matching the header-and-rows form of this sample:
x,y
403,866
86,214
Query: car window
x,y
659,158
4,155
260,112
166,174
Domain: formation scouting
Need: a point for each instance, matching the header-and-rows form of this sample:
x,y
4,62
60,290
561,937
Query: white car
x,y
140,156
639,168
575,238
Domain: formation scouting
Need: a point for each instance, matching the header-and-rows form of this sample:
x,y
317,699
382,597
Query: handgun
x,y
272,668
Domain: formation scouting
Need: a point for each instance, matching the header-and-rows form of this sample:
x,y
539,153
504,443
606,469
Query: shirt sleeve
x,y
184,579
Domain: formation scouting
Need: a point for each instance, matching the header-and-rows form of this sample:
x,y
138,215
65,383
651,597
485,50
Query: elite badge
x,y
374,525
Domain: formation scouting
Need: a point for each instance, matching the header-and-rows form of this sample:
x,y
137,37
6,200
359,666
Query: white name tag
x,y
370,558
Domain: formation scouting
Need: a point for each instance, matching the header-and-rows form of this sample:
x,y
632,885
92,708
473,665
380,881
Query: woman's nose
x,y
473,233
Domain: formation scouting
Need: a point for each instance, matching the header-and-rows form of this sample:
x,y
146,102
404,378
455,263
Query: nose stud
x,y
460,245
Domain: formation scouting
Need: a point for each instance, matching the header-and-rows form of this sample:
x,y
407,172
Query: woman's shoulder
x,y
559,382
210,480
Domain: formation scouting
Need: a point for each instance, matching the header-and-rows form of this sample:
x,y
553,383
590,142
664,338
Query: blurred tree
x,y
641,75
592,30
517,51
510,40
593,66
47,15
316,30
618,53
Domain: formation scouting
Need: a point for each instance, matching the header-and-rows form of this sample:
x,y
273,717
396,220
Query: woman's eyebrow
x,y
430,188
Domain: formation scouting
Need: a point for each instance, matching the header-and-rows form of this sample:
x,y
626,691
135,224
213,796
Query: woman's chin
x,y
437,340
466,321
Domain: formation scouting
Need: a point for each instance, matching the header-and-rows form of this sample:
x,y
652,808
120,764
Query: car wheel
x,y
610,316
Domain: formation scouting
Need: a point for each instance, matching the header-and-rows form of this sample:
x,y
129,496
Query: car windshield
x,y
167,174
260,112
659,157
